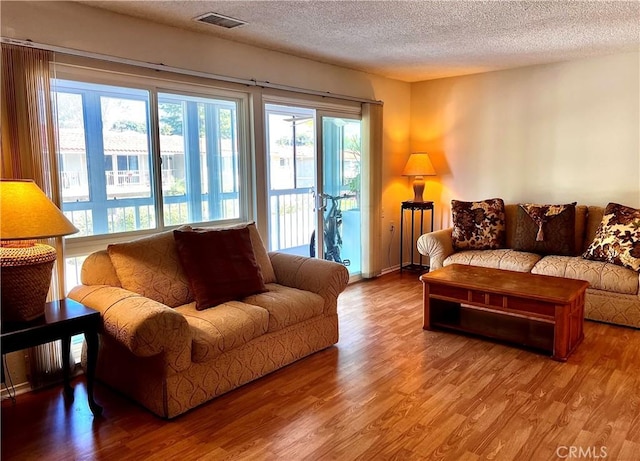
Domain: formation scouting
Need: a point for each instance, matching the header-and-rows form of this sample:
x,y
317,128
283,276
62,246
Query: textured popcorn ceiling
x,y
414,40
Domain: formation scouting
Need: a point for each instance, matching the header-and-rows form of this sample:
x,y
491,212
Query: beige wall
x,y
553,133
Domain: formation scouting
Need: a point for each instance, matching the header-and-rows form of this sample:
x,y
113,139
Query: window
x,y
105,158
109,154
198,143
291,139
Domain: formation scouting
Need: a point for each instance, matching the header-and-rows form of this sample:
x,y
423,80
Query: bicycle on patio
x,y
332,231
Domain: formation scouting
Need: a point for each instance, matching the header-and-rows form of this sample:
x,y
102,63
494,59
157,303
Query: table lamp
x,y
27,214
418,166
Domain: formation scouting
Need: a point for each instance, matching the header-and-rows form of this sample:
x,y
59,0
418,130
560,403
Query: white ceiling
x,y
414,40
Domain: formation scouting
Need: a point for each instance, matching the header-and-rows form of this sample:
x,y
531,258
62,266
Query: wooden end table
x,y
538,311
62,319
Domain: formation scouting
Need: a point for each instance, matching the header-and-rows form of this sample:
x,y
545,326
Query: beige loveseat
x,y
172,359
612,295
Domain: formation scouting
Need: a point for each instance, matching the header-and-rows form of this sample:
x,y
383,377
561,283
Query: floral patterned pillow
x,y
478,225
617,239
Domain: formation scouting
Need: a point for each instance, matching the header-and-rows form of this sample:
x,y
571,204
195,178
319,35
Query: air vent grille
x,y
219,20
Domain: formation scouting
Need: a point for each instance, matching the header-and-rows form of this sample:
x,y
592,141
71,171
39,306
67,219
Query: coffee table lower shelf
x,y
533,334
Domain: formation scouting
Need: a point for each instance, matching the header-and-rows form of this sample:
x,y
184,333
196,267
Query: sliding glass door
x,y
291,154
313,161
339,213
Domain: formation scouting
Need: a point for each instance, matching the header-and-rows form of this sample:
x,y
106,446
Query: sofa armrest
x,y
144,326
326,278
437,245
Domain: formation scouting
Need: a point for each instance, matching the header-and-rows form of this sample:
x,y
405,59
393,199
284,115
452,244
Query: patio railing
x,y
291,220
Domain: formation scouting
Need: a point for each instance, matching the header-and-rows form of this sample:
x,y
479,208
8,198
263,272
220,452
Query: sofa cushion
x,y
262,257
97,269
478,225
150,266
220,264
286,305
226,327
617,239
600,275
594,218
510,260
546,229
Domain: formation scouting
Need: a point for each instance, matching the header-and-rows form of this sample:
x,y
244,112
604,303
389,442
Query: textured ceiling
x,y
414,40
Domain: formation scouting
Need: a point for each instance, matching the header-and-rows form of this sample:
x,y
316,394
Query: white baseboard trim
x,y
23,388
18,389
391,269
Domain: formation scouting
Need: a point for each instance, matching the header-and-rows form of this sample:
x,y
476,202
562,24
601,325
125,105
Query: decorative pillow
x,y
259,249
150,266
220,264
617,239
546,229
478,225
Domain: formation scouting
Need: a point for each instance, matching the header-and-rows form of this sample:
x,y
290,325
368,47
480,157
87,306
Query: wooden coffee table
x,y
537,311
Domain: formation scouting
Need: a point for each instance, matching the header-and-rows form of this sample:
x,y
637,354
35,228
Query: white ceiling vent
x,y
219,20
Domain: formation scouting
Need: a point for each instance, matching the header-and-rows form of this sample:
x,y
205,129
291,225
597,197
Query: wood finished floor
x,y
388,390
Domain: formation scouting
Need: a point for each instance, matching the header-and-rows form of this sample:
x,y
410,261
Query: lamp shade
x,y
26,213
419,164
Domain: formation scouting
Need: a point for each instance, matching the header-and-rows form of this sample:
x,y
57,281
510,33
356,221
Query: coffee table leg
x,y
561,334
66,351
426,319
92,357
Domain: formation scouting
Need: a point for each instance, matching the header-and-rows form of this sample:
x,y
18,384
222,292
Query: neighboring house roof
x,y
124,142
134,143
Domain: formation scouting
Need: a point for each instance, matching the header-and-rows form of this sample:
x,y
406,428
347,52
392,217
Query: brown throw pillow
x,y
260,251
478,225
558,236
617,239
220,264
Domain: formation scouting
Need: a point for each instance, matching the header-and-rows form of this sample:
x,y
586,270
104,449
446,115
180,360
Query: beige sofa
x,y
612,295
173,359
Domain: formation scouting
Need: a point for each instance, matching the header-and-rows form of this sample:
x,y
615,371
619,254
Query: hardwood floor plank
x,y
389,390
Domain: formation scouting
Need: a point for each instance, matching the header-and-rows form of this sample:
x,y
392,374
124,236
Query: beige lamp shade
x,y
418,165
26,214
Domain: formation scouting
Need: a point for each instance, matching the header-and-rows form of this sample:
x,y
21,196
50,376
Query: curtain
x,y
29,152
371,185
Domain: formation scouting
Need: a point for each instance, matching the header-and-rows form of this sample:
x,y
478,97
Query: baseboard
x,y
17,389
391,269
23,388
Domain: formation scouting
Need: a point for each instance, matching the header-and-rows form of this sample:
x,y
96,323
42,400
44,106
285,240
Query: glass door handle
x,y
319,201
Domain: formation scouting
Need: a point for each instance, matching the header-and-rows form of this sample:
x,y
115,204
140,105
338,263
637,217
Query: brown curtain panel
x,y
29,152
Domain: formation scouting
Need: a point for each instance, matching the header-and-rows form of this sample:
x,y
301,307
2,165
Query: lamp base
x,y
25,276
418,189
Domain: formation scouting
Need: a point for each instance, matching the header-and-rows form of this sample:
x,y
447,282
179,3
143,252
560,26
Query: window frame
x,y
82,246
